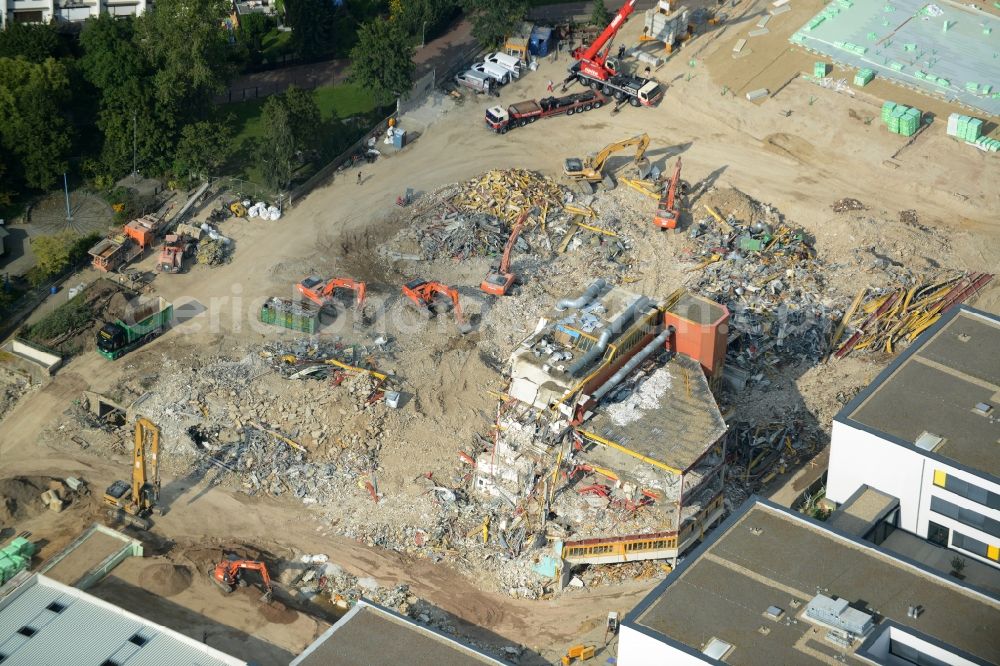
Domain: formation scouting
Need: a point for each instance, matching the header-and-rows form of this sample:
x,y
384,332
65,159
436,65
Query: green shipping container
x,y
22,546
279,313
819,70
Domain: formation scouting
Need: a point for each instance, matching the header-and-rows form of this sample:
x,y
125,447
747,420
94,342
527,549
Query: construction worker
x,y
621,51
549,86
359,177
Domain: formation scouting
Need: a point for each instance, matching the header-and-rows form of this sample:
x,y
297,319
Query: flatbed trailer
x,y
501,120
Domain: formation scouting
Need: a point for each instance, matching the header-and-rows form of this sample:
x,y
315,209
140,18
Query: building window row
x,y
975,546
965,489
966,516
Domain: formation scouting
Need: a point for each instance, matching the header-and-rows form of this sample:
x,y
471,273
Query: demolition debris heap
x,y
610,425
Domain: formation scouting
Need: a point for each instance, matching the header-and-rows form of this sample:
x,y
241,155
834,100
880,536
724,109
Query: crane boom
x,y
608,34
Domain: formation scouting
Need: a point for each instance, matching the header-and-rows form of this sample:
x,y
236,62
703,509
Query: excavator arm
x,y
321,292
423,294
641,142
145,489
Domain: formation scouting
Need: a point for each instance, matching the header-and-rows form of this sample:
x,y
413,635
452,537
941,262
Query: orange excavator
x,y
500,280
322,292
667,212
229,575
427,297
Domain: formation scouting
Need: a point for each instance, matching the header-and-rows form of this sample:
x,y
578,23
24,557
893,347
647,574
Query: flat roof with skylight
x,y
772,586
43,621
942,395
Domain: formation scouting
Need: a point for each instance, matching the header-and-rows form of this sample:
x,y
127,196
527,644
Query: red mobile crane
x,y
321,292
499,281
595,69
425,296
667,213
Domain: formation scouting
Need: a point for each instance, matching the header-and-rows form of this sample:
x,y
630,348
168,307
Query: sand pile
x,y
19,498
165,579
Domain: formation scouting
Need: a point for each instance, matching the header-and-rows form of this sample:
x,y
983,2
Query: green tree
x,y
494,20
312,23
600,16
382,60
52,253
34,41
303,116
424,18
253,28
277,145
35,131
128,110
185,45
204,146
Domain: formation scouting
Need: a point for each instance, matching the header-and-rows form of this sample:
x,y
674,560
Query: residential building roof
x,y
750,584
371,635
927,399
46,622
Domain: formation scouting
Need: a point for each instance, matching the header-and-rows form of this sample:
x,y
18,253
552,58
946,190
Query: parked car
x,y
511,63
475,80
495,72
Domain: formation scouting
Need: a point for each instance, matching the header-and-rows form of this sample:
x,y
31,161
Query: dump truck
x,y
141,323
500,120
290,314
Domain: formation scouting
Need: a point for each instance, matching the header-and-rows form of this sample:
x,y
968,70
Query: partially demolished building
x,y
611,425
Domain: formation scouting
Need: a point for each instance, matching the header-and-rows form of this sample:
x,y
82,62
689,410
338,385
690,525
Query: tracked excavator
x,y
431,297
588,172
134,503
322,292
228,575
500,279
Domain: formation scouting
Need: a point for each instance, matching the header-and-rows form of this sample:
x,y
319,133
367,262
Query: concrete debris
x,y
767,274
846,204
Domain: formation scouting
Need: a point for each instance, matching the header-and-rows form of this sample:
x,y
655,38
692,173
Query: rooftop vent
x,y
27,631
982,408
914,611
717,649
56,607
928,441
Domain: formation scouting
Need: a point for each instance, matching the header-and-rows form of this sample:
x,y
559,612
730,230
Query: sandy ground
x,y
796,155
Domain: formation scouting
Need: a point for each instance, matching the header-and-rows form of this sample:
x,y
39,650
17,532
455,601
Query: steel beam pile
x,y
884,319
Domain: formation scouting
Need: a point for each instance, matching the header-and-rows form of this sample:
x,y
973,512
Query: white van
x,y
495,72
511,63
475,80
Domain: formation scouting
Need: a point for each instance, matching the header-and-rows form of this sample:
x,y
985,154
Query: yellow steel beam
x,y
629,452
590,227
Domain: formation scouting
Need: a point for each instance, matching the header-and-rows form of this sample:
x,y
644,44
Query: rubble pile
x,y
763,450
461,236
212,252
505,194
767,274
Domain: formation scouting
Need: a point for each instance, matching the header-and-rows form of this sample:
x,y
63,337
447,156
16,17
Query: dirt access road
x,y
797,155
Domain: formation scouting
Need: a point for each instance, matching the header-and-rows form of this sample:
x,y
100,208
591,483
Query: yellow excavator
x,y
588,172
133,503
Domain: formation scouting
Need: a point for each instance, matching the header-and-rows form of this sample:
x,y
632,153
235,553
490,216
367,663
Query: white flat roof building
x,y
45,622
927,432
772,586
68,11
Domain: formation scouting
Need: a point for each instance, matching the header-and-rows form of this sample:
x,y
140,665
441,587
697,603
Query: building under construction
x,y
610,420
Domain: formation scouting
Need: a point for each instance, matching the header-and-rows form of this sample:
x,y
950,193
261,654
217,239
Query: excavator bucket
x,y
644,168
122,516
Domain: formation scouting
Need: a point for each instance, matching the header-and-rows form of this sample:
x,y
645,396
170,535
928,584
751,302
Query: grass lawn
x,y
342,100
275,44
